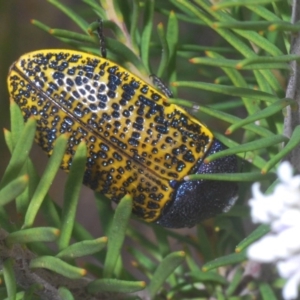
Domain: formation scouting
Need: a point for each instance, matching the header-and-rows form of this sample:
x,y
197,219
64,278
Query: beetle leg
x,y
101,38
162,86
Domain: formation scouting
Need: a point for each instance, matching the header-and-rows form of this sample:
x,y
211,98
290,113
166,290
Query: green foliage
x,y
243,73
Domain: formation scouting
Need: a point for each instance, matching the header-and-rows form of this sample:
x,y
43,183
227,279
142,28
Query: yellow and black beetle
x,y
137,142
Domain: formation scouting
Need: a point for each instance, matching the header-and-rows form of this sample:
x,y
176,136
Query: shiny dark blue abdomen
x,y
197,200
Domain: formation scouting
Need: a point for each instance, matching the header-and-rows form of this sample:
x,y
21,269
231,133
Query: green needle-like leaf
x,y
76,18
37,234
65,294
293,142
172,37
83,248
264,113
249,64
267,60
234,3
251,146
115,286
13,189
234,282
17,122
258,25
225,261
20,153
259,130
100,11
259,232
208,276
228,90
164,270
58,266
116,235
9,278
122,51
79,37
253,176
267,292
40,25
134,32
71,195
146,34
164,61
46,180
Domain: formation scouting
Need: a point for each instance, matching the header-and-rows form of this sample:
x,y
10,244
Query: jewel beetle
x,y
138,144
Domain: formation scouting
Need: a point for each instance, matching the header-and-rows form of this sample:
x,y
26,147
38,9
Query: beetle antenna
x,y
101,38
162,86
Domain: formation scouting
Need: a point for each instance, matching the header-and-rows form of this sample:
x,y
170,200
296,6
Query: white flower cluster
x,y
281,210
